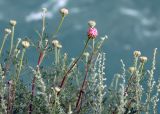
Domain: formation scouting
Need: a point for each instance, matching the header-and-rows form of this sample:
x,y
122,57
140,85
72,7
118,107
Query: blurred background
x,y
130,25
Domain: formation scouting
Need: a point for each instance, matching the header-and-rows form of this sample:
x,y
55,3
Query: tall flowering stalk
x,y
25,45
13,24
83,87
8,62
6,33
64,12
92,33
57,46
41,55
72,66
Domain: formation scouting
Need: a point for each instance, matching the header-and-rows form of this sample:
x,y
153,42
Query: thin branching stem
x,y
12,39
72,66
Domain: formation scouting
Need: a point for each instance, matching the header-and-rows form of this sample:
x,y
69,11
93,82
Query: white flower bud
x,y
143,59
13,22
55,43
57,89
64,11
91,23
25,44
132,70
7,31
137,53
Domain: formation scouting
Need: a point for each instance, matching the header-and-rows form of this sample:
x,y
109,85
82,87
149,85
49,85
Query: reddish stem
x,y
70,69
83,85
40,58
82,89
8,101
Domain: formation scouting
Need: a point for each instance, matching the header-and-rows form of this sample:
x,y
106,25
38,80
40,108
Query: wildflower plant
x,y
76,85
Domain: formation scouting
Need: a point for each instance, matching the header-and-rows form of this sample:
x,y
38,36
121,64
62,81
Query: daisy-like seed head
x,y
13,22
137,53
57,89
55,43
64,11
143,59
91,23
132,69
7,31
25,43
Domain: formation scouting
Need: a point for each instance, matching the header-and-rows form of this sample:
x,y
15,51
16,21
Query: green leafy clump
x,y
72,85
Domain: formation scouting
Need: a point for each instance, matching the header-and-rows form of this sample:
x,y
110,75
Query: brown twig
x,y
83,85
40,59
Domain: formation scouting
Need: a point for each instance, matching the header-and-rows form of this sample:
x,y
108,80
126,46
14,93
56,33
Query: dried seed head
x,y
55,43
25,44
57,89
132,70
137,53
92,33
13,22
7,31
143,59
64,11
92,23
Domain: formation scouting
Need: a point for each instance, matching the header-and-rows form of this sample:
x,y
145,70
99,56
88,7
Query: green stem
x,y
93,42
56,54
18,74
19,40
60,24
20,65
4,40
141,69
12,38
135,62
137,93
55,103
43,24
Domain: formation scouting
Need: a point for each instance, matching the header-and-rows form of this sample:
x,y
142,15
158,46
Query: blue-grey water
x,y
130,25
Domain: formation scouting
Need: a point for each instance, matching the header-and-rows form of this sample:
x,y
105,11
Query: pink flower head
x,y
92,33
